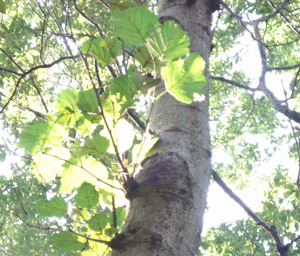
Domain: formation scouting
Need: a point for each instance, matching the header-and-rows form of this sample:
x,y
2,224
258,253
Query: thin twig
x,y
93,175
29,72
88,19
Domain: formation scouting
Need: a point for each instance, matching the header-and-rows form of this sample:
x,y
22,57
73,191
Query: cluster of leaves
x,y
80,142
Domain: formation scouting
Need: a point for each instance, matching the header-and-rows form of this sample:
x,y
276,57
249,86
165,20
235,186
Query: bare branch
x,y
277,10
88,19
281,248
237,84
29,72
242,22
295,116
283,67
284,17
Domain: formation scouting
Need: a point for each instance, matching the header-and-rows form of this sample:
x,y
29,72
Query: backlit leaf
x,y
168,41
185,79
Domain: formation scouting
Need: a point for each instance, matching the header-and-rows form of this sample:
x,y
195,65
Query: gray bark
x,y
166,210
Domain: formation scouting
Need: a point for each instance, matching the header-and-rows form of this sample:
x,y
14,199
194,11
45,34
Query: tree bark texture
x,y
166,209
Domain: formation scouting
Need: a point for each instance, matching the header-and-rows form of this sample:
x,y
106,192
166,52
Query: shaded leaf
x,y
146,59
2,6
68,241
104,49
132,24
99,221
86,196
55,207
124,91
87,101
95,146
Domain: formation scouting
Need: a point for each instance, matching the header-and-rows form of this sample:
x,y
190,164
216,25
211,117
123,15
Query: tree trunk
x,y
166,210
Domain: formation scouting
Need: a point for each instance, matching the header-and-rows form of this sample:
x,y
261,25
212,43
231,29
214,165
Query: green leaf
x,y
86,196
140,151
87,101
168,41
111,231
124,132
124,91
35,137
104,49
185,79
2,6
121,215
146,59
95,146
113,45
145,81
99,221
89,170
68,241
132,24
67,107
48,166
55,207
120,5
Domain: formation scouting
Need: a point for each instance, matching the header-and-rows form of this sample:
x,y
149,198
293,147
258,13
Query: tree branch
x,y
29,72
277,10
281,248
237,84
283,67
295,116
90,21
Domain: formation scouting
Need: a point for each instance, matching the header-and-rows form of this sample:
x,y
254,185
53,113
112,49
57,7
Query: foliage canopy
x,y
73,88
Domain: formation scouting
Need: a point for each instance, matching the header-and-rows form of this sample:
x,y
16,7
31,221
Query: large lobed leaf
x,y
185,79
132,24
54,207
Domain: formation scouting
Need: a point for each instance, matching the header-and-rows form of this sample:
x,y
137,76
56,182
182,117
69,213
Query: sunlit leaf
x,y
88,169
140,150
185,79
48,165
35,137
168,41
123,135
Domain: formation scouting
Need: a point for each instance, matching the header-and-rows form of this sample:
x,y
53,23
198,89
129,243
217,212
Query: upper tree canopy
x,y
74,79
